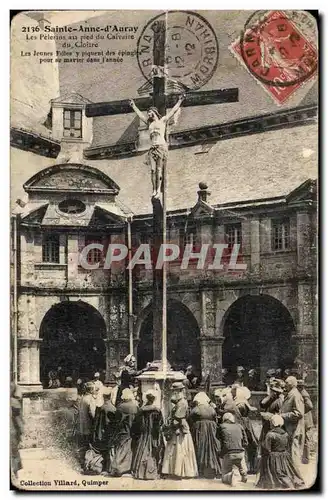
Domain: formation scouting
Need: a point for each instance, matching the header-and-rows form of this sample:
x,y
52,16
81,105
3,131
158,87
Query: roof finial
x,y
203,192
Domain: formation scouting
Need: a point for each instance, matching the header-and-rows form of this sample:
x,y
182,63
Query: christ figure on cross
x,y
157,154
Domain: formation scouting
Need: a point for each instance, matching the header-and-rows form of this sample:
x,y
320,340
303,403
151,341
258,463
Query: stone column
x,y
303,240
112,359
203,327
35,361
255,245
23,362
62,248
306,308
211,358
246,237
72,257
265,235
29,363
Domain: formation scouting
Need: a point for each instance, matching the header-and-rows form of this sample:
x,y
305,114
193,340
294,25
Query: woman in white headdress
x,y
179,459
203,430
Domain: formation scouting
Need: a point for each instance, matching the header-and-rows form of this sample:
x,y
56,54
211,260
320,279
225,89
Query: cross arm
x,y
143,103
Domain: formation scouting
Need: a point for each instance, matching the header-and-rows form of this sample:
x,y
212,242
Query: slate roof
x,y
245,168
259,166
102,82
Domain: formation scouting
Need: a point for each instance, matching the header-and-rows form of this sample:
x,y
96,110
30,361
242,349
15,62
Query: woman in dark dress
x,y
203,430
277,470
145,463
271,404
119,458
104,429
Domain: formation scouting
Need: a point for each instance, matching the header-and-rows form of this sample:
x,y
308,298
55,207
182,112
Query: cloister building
x,y
249,182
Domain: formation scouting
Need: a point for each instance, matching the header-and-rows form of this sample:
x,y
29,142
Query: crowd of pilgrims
x,y
204,437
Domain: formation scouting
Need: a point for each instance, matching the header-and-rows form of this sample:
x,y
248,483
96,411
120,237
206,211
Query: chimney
x,y
203,192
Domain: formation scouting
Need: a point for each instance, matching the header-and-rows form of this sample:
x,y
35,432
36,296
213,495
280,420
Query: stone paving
x,y
52,470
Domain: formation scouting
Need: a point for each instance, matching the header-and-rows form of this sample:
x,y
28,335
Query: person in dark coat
x,y
119,459
128,375
86,415
308,421
203,428
240,407
253,380
104,428
233,441
271,404
16,427
219,404
277,470
292,412
146,459
269,377
240,376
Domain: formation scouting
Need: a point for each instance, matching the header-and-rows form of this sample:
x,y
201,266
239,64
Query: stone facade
x,y
204,297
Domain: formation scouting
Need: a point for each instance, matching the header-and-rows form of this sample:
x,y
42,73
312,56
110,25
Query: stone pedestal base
x,y
160,383
27,388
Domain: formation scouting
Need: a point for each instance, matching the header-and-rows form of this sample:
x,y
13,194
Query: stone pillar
x,y
203,327
211,358
62,248
29,363
306,308
34,349
303,240
255,245
72,257
161,384
265,235
23,362
112,359
246,237
206,232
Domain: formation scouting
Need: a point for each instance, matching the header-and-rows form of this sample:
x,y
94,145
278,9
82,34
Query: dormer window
x,y
233,234
73,123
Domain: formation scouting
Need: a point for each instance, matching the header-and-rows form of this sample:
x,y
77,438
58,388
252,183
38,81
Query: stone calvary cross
x,y
161,101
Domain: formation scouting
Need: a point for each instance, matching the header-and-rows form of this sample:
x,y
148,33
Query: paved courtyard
x,y
52,470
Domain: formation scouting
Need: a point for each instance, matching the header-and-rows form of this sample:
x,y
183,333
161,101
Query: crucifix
x,y
157,119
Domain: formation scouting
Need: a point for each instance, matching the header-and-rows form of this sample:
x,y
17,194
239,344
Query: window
x,y
71,207
280,232
73,123
233,234
144,238
188,236
94,255
50,248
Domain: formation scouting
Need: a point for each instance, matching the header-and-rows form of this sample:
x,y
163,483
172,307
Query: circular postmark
x,y
191,48
279,47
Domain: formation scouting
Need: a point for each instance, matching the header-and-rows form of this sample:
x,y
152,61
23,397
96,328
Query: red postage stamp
x,y
276,53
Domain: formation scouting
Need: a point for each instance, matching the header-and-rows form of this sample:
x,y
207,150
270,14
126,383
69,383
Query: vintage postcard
x,y
163,250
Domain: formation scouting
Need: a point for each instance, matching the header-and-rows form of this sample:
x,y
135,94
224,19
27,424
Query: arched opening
x,y
72,337
258,333
183,347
